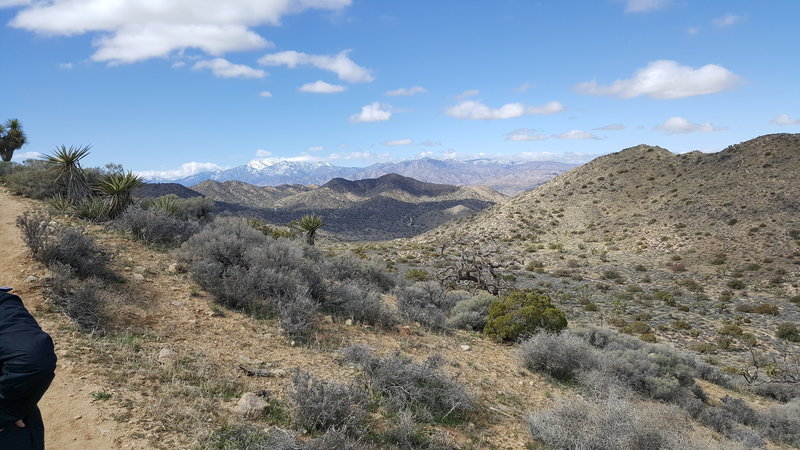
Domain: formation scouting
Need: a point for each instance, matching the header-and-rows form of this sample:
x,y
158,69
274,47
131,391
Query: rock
x,y
349,322
168,356
465,347
31,279
251,405
327,319
175,268
139,269
138,277
278,372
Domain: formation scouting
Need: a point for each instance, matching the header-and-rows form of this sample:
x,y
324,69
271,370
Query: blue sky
x,y
156,85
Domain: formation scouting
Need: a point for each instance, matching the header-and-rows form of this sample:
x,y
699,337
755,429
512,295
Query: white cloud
x,y
478,111
65,66
178,64
449,154
679,125
354,155
645,5
567,157
265,94
784,120
263,153
321,87
136,30
223,68
316,148
611,127
398,142
523,87
374,112
667,79
425,155
431,143
340,64
575,134
407,91
22,156
727,20
525,134
186,169
468,93
693,31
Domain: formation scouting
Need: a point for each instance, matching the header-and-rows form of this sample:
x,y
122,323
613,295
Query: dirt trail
x,y
72,419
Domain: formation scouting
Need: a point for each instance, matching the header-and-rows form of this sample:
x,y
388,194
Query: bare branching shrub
x,y
82,300
297,317
363,304
426,303
561,356
323,405
51,244
421,389
471,265
612,421
155,227
471,313
250,437
335,439
408,435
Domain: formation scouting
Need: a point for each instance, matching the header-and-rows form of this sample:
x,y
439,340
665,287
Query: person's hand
x,y
20,423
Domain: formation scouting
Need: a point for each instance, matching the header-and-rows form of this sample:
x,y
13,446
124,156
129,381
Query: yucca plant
x,y
167,203
11,138
60,205
117,188
66,163
95,209
309,224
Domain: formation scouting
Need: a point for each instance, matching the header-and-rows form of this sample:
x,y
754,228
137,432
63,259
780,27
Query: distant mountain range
x,y
508,177
390,206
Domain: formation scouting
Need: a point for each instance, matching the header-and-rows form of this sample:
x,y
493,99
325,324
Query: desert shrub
x,y
782,392
323,405
424,302
521,314
246,436
363,304
192,208
406,434
93,209
795,299
334,439
421,389
82,300
155,227
471,313
736,284
271,231
33,179
781,424
761,308
612,421
636,327
51,244
417,275
297,317
356,269
561,356
788,331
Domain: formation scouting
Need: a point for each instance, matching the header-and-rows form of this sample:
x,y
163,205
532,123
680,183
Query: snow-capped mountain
x,y
508,177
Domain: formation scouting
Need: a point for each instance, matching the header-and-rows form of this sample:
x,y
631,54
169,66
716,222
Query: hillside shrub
x,y
612,421
560,355
192,208
364,271
155,227
362,304
82,301
523,313
424,302
403,385
417,275
471,313
788,331
781,424
33,179
51,244
297,317
324,405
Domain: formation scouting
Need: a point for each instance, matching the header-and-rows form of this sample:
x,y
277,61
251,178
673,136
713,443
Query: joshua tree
x,y
11,138
117,187
309,224
67,166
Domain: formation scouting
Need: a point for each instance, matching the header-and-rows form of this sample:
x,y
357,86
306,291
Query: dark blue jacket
x,y
27,361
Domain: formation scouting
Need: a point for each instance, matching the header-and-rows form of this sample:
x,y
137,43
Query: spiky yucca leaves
x,y
309,224
11,138
117,188
67,166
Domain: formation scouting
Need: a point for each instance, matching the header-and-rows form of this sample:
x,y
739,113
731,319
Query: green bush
x,y
521,314
789,332
418,275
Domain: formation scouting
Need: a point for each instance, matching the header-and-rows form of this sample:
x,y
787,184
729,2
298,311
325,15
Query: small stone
x,y
465,347
139,269
251,405
327,319
174,268
168,356
31,279
176,303
278,372
349,322
77,417
138,277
